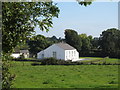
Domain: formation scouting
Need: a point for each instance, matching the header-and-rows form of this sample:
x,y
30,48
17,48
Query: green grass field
x,y
101,60
62,76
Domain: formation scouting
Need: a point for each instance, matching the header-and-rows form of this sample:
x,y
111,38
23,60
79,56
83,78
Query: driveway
x,y
81,59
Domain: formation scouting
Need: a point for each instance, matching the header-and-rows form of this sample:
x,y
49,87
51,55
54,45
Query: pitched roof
x,y
65,46
16,50
24,51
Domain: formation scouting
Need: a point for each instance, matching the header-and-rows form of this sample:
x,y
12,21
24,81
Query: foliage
x,y
7,77
105,45
53,61
18,22
63,76
85,2
88,60
22,46
86,43
20,18
53,39
95,43
38,43
109,42
72,38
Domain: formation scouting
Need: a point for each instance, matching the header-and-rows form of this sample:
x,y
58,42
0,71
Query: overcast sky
x,y
91,20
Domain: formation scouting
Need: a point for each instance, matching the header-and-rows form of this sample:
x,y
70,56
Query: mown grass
x,y
62,76
99,60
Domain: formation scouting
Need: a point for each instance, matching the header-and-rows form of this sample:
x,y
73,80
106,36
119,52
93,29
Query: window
x,y
74,53
69,53
42,55
54,54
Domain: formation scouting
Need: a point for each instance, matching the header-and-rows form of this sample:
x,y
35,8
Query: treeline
x,y
39,42
108,44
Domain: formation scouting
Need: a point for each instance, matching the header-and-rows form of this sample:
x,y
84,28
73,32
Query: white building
x,y
25,53
17,53
59,51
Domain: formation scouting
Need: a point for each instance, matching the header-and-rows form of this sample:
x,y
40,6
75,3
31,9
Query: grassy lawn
x,y
101,60
62,76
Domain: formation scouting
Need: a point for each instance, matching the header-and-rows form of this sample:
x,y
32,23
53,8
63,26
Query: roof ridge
x,y
65,46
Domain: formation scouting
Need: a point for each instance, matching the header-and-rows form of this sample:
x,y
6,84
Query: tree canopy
x,y
109,42
20,18
18,22
37,43
72,38
86,43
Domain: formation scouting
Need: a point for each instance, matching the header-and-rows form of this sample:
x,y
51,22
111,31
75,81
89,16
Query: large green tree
x,y
86,43
109,42
72,38
20,18
18,22
53,39
95,43
38,43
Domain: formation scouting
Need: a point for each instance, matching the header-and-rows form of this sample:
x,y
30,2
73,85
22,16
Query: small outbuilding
x,y
25,53
59,51
17,53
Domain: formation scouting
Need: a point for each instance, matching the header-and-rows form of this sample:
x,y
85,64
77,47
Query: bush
x,y
49,61
36,63
53,61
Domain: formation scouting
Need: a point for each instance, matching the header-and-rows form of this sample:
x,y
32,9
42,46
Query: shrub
x,y
53,61
35,63
49,61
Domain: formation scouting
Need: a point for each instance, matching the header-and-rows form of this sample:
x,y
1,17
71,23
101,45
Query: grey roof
x,y
24,51
16,50
65,46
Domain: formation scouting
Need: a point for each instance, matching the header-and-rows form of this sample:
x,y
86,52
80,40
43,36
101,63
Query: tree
x,y
38,43
18,22
53,39
72,38
86,43
109,42
95,43
20,18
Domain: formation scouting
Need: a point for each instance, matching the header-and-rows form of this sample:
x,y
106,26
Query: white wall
x,y
39,55
71,54
16,55
26,55
60,53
